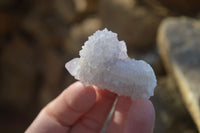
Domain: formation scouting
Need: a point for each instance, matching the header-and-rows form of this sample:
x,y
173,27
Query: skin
x,y
80,109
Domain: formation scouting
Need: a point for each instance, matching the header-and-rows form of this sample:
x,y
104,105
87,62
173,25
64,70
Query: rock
x,y
173,7
49,25
8,23
18,73
190,7
79,33
86,6
179,46
48,31
171,114
53,67
80,5
65,9
137,25
153,58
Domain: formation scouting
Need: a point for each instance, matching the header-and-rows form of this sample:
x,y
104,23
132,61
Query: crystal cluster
x,y
104,62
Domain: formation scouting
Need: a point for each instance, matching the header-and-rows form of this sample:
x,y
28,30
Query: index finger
x,y
65,110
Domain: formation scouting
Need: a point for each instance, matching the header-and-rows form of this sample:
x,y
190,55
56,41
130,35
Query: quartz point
x,y
104,63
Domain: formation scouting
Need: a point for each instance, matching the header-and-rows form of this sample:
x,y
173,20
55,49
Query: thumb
x,y
141,117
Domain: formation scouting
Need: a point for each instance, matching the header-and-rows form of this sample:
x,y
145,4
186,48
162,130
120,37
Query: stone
x,y
104,62
78,34
86,6
135,24
171,114
187,7
179,45
153,58
52,75
49,25
7,23
65,9
18,76
172,7
48,32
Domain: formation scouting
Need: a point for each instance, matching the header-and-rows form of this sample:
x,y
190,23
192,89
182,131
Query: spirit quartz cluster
x,y
104,63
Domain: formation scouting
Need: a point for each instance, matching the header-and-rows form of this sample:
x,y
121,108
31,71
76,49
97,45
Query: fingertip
x,y
76,84
144,105
74,102
141,117
60,114
79,97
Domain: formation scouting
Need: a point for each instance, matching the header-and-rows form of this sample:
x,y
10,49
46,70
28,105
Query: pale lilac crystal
x,y
104,62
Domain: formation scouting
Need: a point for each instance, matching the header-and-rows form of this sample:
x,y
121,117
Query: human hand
x,y
82,109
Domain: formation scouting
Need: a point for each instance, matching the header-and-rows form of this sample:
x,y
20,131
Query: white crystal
x,y
104,62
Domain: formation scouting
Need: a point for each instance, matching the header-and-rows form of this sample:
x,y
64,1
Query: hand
x,y
82,109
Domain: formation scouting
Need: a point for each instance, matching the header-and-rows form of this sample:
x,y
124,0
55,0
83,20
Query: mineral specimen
x,y
104,62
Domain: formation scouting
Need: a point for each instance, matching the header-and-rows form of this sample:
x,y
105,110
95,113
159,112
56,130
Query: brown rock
x,y
45,32
79,34
49,32
8,23
18,73
152,57
86,6
65,9
173,7
179,45
49,25
190,7
171,114
53,67
137,25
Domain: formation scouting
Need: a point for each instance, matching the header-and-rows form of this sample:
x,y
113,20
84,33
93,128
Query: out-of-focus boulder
x,y
137,25
173,7
53,71
18,73
86,6
171,114
79,34
179,45
190,7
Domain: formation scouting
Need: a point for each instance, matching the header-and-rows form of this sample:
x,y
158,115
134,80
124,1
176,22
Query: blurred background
x,y
37,38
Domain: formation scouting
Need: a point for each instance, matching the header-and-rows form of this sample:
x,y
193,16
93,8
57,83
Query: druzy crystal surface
x,y
104,62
